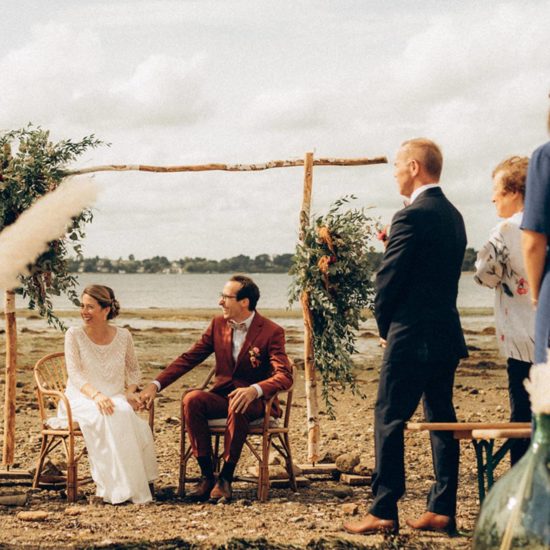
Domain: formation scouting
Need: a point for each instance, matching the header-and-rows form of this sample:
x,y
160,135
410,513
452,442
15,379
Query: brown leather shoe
x,y
430,521
202,490
222,490
372,525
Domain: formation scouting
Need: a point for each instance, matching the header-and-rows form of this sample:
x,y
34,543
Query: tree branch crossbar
x,y
228,167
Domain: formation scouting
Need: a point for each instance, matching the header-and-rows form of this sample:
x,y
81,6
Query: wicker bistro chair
x,y
50,375
273,432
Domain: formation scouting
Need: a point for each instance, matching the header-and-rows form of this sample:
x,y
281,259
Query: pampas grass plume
x,y
538,387
46,220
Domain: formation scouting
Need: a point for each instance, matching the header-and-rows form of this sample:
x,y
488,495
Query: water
x,y
202,290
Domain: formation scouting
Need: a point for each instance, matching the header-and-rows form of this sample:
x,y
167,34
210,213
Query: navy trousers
x,y
520,404
402,385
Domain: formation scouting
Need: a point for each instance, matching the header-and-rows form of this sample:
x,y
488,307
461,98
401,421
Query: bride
x,y
103,377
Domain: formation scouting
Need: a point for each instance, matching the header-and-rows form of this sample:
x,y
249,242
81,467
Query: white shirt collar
x,y
248,321
517,217
421,189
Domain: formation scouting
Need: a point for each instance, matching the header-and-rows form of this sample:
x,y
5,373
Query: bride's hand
x,y
104,404
135,401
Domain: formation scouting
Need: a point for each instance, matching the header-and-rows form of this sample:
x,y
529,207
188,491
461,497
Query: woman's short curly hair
x,y
514,174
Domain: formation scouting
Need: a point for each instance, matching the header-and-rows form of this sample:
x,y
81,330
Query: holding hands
x,y
147,395
133,397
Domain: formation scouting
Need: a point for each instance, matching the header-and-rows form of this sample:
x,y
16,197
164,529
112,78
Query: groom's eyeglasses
x,y
227,296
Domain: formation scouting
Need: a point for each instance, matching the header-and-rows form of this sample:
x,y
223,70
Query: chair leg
x,y
40,463
263,478
72,482
72,470
289,463
216,457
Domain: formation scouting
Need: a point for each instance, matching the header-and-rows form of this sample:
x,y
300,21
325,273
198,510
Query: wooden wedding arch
x,y
308,162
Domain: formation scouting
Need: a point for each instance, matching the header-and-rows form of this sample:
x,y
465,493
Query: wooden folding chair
x,y
274,432
50,375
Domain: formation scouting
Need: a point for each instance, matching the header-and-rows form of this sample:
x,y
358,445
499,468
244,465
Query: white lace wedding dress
x,y
120,446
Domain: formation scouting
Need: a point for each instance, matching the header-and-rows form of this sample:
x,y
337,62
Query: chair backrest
x,y
50,374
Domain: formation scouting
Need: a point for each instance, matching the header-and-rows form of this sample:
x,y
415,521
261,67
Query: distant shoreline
x,y
207,313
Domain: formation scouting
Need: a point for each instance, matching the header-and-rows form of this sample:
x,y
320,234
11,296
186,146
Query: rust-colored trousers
x,y
200,406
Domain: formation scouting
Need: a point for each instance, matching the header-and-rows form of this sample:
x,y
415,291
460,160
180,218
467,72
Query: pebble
x,y
19,499
350,508
36,515
73,511
347,461
342,492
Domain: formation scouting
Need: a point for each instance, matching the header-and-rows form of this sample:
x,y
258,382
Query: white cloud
x,y
65,75
290,110
161,91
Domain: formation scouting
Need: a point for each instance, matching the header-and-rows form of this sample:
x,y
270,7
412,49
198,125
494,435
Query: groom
x,y
415,309
251,366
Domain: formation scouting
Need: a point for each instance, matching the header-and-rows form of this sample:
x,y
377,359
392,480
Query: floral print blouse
x,y
499,265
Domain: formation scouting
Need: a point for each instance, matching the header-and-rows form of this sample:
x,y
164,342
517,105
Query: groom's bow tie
x,y
237,326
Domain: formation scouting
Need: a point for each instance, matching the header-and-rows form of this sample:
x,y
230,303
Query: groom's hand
x,y
148,394
240,398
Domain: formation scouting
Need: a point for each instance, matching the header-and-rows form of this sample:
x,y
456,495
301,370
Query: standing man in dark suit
x,y
251,366
415,308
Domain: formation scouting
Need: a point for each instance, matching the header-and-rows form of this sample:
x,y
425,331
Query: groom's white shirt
x,y
239,336
420,190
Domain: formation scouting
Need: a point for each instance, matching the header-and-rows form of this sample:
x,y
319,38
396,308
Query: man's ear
x,y
415,167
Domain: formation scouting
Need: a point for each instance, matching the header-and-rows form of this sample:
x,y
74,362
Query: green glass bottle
x,y
516,512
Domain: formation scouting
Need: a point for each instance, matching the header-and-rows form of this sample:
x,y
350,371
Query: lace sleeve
x,y
132,370
492,259
73,362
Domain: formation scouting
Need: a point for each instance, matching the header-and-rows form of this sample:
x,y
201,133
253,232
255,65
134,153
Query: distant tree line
x,y
263,263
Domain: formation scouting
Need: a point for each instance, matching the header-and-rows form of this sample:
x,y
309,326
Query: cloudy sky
x,y
189,82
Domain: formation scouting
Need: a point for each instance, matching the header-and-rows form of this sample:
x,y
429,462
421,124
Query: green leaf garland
x,y
332,267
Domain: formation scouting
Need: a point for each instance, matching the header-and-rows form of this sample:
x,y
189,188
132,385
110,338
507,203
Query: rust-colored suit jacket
x,y
262,359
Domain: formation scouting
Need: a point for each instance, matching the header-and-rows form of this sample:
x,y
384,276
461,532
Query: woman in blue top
x,y
536,229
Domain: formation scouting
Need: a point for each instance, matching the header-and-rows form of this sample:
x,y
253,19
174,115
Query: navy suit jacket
x,y
417,283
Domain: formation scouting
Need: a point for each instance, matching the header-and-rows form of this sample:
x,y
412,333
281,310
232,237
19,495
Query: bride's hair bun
x,y
115,309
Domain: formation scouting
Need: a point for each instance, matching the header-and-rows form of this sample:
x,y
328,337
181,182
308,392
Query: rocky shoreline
x,y
310,518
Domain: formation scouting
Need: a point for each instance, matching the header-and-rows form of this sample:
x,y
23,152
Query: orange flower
x,y
323,263
325,237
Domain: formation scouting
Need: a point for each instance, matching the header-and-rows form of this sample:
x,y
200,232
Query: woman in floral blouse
x,y
500,266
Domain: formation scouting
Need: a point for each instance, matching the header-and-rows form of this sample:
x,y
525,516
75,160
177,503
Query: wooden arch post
x,y
312,403
8,451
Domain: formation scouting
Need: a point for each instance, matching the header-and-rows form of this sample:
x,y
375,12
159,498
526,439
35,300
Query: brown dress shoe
x,y
222,490
372,525
202,490
430,521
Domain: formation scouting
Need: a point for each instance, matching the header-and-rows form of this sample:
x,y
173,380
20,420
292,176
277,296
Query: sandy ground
x,y
312,517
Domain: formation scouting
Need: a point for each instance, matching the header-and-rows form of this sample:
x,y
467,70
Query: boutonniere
x,y
254,354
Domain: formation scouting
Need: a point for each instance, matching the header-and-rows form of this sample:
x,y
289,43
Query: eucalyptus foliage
x,y
30,166
332,265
